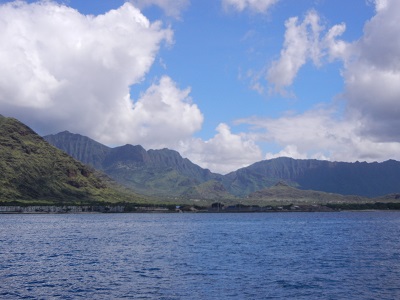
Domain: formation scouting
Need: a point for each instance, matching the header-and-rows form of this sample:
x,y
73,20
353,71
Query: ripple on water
x,y
200,256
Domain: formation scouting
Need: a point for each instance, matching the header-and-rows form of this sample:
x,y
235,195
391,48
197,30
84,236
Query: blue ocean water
x,y
347,255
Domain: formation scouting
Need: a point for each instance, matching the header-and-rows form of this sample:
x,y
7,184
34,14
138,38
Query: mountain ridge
x,y
84,148
165,172
151,172
358,178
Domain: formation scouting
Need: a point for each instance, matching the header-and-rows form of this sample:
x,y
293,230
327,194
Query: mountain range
x,y
166,173
32,170
154,172
359,178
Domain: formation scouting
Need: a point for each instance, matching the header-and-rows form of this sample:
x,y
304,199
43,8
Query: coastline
x,y
121,208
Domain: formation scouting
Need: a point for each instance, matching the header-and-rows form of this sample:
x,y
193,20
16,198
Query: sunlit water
x,y
344,255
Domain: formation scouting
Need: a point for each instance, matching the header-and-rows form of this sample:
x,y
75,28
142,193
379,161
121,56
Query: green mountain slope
x,y
283,193
210,190
161,172
363,179
80,147
33,170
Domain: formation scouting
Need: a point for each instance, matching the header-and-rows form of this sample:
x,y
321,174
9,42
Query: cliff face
x,y
363,179
80,147
32,169
161,172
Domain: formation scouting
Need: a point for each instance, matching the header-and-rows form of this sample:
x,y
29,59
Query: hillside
x,y
359,178
80,147
161,172
209,190
33,170
283,193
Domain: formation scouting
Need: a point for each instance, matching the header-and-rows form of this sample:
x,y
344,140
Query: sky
x,y
225,82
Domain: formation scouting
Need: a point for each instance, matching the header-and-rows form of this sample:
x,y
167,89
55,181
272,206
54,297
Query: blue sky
x,y
226,83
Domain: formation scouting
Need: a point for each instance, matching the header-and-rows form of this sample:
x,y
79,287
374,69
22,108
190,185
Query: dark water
x,y
201,256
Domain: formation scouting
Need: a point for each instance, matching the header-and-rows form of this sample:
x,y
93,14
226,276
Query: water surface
x,y
348,255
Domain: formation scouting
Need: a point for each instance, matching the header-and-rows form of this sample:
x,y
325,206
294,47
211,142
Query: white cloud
x,y
223,153
303,42
259,6
372,76
163,116
61,70
381,4
336,49
49,49
319,134
289,151
172,8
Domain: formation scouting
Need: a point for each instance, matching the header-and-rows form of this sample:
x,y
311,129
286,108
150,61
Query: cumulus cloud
x,y
303,42
172,8
61,70
258,6
372,77
223,153
164,115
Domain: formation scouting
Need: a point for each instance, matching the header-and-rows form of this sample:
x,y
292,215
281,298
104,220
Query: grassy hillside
x,y
33,170
210,190
283,193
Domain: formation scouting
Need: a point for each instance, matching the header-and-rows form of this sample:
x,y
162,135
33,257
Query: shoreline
x,y
217,207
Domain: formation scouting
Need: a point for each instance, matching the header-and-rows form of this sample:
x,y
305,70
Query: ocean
x,y
338,255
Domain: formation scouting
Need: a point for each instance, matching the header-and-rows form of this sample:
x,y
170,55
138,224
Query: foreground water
x,y
345,255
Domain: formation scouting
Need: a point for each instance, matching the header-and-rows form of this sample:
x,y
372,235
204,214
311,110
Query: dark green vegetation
x,y
154,172
32,170
360,178
364,206
165,173
283,193
211,189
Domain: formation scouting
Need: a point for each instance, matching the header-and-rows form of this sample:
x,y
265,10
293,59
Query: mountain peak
x,y
80,147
